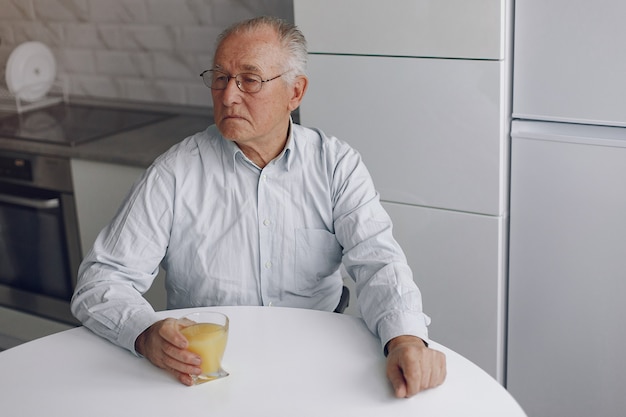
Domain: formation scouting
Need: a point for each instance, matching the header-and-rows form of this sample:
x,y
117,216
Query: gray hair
x,y
290,37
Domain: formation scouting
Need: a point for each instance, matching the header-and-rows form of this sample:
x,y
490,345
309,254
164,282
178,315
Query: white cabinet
x,y
99,189
458,263
570,64
429,130
426,28
567,270
421,89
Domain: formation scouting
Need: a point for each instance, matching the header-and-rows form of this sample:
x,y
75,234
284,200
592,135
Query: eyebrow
x,y
245,67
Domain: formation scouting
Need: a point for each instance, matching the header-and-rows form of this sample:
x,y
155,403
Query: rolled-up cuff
x,y
133,328
403,324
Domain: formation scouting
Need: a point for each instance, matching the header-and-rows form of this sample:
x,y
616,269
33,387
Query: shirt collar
x,y
286,154
283,159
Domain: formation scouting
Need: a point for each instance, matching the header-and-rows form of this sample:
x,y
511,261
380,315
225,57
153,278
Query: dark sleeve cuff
x,y
386,350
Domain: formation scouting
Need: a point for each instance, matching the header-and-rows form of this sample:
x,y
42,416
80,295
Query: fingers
x,y
170,332
164,346
412,368
438,370
175,357
425,373
397,382
179,360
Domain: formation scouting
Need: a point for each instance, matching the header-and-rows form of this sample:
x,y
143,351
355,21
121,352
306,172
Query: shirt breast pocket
x,y
318,255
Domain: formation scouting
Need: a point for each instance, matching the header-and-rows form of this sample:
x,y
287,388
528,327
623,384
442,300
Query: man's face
x,y
260,118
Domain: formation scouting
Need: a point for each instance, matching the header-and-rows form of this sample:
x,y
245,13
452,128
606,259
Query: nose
x,y
231,94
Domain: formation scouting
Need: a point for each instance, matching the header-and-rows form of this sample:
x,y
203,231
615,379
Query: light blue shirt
x,y
230,233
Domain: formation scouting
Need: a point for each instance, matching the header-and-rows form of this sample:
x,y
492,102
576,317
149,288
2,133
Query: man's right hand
x,y
164,345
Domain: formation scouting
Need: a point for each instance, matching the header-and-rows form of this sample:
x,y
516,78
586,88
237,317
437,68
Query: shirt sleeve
x,y
389,300
124,262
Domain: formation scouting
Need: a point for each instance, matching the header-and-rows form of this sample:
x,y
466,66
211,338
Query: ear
x,y
297,91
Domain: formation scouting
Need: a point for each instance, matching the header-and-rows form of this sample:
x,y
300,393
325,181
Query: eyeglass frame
x,y
238,82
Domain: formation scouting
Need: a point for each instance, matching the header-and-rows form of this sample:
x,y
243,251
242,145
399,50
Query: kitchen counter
x,y
137,147
103,170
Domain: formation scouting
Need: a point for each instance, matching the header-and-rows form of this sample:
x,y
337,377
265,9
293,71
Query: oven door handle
x,y
47,204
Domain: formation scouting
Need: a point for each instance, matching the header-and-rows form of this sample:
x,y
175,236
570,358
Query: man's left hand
x,y
413,367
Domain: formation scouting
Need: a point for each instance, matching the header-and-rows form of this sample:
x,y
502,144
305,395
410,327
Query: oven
x,y
39,237
40,248
39,240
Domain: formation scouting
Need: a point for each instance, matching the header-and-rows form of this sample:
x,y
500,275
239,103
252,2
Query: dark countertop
x,y
136,147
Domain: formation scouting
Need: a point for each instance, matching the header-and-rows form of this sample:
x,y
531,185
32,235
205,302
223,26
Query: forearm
x,y
111,308
389,300
391,304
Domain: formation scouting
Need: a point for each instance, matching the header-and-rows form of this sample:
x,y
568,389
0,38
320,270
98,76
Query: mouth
x,y
232,117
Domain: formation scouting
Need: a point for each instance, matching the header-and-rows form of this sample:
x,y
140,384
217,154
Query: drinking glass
x,y
207,334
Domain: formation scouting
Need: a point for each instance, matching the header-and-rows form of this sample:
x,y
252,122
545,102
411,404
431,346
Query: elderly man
x,y
255,210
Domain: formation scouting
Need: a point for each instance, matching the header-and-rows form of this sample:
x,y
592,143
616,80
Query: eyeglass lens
x,y
217,80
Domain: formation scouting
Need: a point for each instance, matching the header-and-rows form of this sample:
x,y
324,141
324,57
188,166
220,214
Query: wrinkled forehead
x,y
253,51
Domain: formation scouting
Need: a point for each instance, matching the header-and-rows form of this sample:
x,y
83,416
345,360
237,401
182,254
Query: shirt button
x,y
268,264
267,222
264,177
270,304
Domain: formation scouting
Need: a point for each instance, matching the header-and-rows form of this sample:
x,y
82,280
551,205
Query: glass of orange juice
x,y
207,334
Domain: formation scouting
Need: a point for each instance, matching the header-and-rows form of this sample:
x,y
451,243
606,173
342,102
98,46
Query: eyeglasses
x,y
246,82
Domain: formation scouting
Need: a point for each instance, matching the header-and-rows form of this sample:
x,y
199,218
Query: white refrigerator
x,y
421,89
567,259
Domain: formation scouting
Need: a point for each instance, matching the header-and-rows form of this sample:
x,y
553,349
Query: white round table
x,y
282,362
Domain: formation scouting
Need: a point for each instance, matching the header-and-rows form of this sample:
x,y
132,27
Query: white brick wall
x,y
139,50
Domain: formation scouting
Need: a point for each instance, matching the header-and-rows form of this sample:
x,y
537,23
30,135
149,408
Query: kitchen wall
x,y
139,50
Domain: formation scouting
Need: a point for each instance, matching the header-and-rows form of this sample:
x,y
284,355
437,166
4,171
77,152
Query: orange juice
x,y
209,341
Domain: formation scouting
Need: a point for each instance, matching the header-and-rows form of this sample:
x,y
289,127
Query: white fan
x,y
30,71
